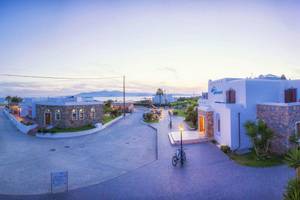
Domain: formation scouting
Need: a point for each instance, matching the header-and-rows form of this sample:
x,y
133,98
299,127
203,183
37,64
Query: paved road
x,y
208,174
26,162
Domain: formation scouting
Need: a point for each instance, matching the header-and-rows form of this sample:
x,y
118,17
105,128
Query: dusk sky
x,y
176,45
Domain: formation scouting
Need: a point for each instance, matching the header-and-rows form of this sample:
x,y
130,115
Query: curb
x,y
156,136
63,135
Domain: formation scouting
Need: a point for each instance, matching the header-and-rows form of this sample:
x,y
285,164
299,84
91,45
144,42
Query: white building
x,y
163,99
231,102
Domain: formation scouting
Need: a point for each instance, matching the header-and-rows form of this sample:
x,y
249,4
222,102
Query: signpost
x,y
59,182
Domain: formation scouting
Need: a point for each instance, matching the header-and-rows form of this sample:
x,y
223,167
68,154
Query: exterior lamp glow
x,y
181,127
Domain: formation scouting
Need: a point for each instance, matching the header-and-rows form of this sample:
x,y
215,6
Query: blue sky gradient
x,y
178,45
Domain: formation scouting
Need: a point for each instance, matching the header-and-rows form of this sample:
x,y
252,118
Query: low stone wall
x,y
281,119
21,127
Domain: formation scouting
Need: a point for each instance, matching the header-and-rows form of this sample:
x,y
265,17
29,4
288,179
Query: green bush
x,y
260,135
226,149
292,190
175,112
151,117
192,115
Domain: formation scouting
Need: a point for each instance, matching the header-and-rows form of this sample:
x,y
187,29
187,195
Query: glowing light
x,y
181,128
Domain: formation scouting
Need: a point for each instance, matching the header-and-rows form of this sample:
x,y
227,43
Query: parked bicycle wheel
x,y
174,161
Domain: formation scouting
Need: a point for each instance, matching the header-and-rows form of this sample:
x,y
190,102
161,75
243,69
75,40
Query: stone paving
x,y
208,174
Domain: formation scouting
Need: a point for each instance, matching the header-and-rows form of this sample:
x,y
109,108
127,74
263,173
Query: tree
x,y
260,136
107,108
159,91
293,160
293,189
16,99
191,115
8,99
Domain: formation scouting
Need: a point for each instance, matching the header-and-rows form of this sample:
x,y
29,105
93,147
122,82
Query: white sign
x,y
59,182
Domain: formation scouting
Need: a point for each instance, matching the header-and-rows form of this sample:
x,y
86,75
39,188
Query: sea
x,y
129,98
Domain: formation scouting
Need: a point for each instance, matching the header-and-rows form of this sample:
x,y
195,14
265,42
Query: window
x,y
290,95
230,96
74,114
57,115
81,114
218,124
93,113
298,129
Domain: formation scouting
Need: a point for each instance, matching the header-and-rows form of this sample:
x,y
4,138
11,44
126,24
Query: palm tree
x,y
293,160
260,136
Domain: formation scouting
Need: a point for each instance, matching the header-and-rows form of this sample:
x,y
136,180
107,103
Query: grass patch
x,y
108,118
63,130
179,112
250,159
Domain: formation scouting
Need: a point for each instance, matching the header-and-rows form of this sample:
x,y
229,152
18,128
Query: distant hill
x,y
114,93
117,93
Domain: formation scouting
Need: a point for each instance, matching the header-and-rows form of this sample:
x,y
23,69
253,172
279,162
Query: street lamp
x,y
170,116
181,151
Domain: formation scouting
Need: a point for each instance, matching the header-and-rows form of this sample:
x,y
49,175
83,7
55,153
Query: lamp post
x,y
170,116
181,151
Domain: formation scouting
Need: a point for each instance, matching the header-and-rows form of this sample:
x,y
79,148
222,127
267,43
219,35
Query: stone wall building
x,y
68,114
283,119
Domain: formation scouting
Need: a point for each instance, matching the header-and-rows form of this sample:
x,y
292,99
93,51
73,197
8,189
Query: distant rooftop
x,y
68,101
260,77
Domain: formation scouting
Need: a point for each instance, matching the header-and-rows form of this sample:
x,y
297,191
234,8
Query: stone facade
x,y
66,119
282,120
209,122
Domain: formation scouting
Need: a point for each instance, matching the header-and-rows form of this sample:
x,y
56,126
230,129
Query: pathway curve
x,y
208,174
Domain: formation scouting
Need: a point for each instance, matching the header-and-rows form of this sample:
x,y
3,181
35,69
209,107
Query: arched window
x,y
81,114
74,114
57,115
93,113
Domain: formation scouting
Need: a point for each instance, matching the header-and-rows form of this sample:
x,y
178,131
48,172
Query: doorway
x,y
202,125
47,118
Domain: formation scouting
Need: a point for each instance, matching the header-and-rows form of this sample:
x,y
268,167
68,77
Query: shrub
x,y
150,117
260,136
292,190
175,112
226,149
115,113
26,123
192,115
